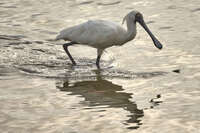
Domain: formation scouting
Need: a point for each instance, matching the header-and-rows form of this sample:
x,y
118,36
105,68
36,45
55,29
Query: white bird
x,y
102,34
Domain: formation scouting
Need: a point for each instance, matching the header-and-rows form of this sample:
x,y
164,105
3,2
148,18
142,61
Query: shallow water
x,y
139,89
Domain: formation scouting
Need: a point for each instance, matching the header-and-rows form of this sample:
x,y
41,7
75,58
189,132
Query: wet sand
x,y
139,89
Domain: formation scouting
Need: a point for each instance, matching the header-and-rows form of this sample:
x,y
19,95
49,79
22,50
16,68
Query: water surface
x,y
139,89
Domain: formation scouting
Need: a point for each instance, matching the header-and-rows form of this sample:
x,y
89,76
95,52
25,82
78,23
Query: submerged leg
x,y
65,46
99,53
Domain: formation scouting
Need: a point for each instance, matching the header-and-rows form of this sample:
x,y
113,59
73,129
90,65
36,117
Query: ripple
x,y
12,37
86,2
171,7
8,6
29,70
14,43
21,48
40,50
36,15
196,10
165,27
82,73
107,4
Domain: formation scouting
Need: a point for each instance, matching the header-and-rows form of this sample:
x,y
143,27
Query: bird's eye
x,y
138,15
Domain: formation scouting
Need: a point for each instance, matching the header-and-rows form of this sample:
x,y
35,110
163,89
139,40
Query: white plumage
x,y
102,34
95,33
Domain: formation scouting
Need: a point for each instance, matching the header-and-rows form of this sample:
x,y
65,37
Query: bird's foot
x,y
74,63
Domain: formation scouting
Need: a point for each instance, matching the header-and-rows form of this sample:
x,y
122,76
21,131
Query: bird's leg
x,y
99,53
97,61
65,46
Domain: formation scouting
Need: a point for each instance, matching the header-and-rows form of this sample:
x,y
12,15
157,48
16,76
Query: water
x,y
136,91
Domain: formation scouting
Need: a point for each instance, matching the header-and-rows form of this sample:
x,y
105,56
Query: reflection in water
x,y
102,92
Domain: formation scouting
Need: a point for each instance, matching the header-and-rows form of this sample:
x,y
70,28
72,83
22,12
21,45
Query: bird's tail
x,y
54,39
58,37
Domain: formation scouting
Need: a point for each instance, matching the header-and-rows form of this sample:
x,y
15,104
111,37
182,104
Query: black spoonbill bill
x,y
102,34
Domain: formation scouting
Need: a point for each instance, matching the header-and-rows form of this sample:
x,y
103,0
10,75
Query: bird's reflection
x,y
101,92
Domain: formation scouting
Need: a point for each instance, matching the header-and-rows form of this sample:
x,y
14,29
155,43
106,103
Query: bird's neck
x,y
131,30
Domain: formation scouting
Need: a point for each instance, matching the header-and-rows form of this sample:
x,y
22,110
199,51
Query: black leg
x,y
65,46
97,61
99,53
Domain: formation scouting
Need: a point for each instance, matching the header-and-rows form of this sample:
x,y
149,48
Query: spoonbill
x,y
101,34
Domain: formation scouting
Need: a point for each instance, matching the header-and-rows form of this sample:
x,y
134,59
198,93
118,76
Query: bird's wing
x,y
97,32
70,33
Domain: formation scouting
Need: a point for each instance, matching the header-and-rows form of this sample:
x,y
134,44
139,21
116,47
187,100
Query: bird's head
x,y
136,16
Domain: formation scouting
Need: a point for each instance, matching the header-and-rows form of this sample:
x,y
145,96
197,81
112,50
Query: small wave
x,y
196,10
86,2
12,37
107,4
